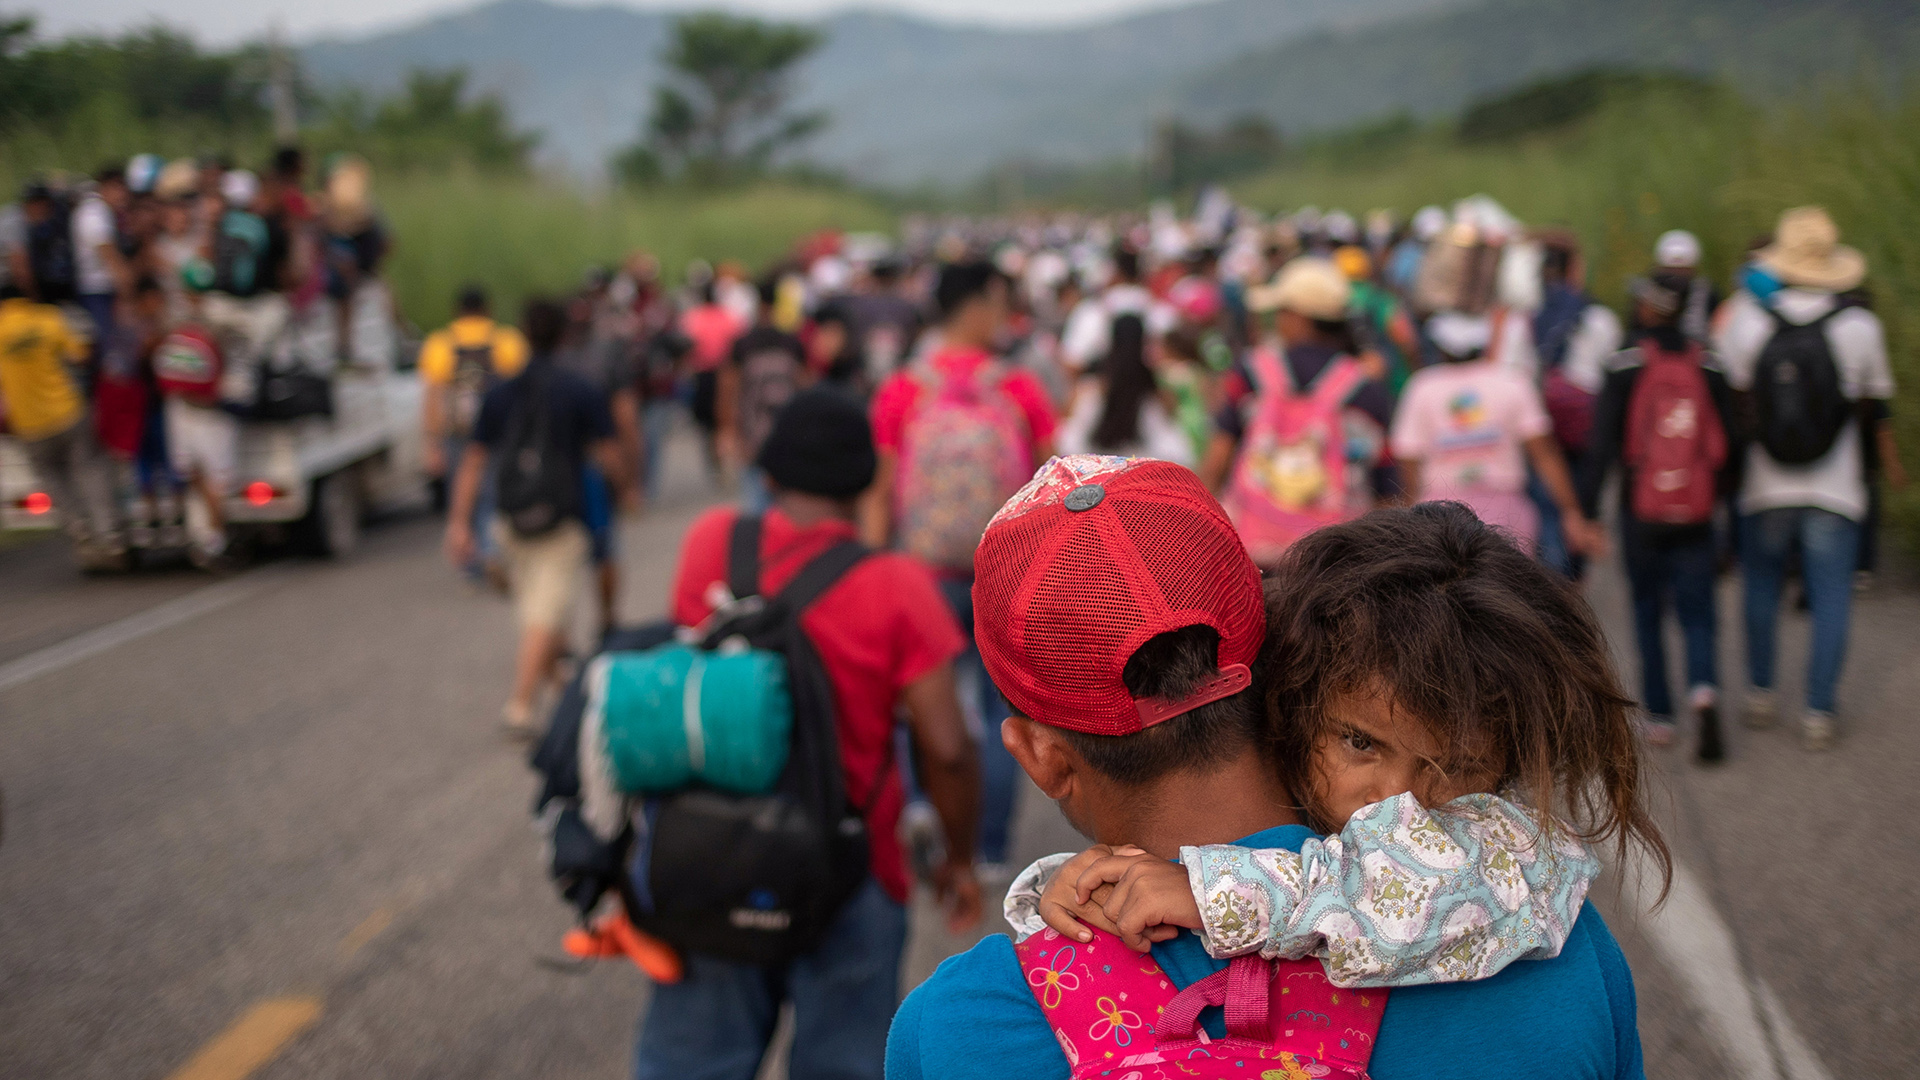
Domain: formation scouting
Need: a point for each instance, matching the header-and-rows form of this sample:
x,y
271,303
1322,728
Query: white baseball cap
x,y
1460,335
1677,249
239,187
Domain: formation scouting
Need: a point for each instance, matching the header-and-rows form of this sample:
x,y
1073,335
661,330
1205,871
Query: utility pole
x,y
286,118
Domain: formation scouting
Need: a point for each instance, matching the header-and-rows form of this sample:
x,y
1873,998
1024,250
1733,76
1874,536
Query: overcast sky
x,y
223,22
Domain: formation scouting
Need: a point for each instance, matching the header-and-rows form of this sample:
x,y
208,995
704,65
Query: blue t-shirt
x,y
1565,1018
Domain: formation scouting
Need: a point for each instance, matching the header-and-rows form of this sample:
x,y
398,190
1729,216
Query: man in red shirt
x,y
972,299
885,639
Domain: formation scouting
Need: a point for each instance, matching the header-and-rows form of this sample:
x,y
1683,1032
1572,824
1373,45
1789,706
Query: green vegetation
x,y
452,174
522,236
76,104
1666,157
725,115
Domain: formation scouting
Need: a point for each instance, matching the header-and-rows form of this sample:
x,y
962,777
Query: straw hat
x,y
1310,286
349,198
1806,250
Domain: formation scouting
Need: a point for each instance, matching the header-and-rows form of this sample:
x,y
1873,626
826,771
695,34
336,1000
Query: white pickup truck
x,y
311,481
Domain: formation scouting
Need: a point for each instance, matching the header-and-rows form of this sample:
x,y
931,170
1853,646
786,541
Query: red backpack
x,y
1675,441
187,364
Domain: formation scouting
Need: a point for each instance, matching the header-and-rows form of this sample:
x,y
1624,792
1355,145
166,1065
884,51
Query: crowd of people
x,y
139,311
1375,415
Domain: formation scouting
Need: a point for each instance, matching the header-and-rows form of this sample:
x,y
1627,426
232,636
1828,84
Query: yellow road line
x,y
251,1041
369,928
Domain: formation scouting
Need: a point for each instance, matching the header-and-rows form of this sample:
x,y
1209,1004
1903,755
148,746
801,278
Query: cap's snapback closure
x,y
1232,679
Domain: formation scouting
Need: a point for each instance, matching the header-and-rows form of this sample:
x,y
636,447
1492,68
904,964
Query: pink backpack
x,y
1291,477
1118,1017
964,452
1675,442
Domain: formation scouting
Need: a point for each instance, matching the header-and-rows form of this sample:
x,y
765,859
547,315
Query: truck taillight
x,y
37,503
260,493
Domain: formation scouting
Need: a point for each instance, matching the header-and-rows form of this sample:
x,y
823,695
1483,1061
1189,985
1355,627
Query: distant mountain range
x,y
914,100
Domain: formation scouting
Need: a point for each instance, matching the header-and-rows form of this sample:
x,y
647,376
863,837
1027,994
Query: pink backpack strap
x,y
1280,1009
1342,379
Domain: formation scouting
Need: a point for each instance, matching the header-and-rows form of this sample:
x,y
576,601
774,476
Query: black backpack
x,y
50,255
538,479
750,878
1799,407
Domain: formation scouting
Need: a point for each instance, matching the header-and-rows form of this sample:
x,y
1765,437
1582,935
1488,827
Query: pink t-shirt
x,y
1466,425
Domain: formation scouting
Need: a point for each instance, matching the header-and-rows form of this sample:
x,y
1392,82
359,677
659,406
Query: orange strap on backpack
x,y
614,936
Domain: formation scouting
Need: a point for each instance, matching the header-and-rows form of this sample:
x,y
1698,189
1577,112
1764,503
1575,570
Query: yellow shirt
x,y
466,332
35,348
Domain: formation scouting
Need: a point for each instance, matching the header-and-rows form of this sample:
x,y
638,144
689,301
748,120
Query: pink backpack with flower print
x,y
1118,1016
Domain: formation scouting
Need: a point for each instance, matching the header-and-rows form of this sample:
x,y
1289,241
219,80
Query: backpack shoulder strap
x,y
743,557
1341,379
820,575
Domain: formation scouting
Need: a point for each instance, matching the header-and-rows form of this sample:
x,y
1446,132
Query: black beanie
x,y
821,444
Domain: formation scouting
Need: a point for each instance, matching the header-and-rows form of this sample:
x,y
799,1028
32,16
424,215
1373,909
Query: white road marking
x,y
134,627
1738,1009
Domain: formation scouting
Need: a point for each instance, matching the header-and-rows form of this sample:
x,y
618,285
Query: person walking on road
x,y
1468,429
458,365
41,403
1812,367
886,641
959,431
535,434
1665,416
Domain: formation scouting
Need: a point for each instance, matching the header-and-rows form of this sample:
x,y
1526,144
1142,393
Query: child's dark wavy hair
x,y
1466,633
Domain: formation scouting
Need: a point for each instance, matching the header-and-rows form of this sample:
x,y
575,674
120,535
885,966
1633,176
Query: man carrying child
x,y
1121,616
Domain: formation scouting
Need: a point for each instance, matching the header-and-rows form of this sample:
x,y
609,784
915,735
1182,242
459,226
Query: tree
x,y
724,113
432,121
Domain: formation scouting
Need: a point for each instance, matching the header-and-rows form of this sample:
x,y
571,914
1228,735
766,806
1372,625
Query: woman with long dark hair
x,y
1117,409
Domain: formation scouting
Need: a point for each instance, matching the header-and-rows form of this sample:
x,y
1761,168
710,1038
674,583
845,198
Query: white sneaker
x,y
1816,730
1760,709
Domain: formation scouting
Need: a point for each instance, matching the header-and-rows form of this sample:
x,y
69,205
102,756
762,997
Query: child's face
x,y
1375,752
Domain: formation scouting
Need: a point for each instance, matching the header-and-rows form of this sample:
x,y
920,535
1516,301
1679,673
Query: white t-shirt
x,y
1514,348
1836,482
1159,436
92,227
1590,346
1089,331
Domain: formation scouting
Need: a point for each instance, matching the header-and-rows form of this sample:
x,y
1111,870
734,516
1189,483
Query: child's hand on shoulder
x,y
1138,897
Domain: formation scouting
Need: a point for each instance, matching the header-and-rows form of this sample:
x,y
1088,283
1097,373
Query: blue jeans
x,y
999,773
596,510
484,548
1552,541
1829,551
656,421
755,496
716,1023
1684,573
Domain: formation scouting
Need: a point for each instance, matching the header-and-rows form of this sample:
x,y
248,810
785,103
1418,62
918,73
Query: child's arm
x,y
1403,896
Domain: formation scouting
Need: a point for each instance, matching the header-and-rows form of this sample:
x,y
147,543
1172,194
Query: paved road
x,y
280,835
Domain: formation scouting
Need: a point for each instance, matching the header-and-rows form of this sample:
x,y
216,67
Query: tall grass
x,y
1715,166
519,237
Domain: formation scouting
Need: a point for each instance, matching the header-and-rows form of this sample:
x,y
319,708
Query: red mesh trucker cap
x,y
1087,562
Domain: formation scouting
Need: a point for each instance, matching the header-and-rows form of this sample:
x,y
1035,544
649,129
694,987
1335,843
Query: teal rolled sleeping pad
x,y
674,716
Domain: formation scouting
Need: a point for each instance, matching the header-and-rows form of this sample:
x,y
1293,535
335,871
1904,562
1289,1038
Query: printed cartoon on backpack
x,y
1294,473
